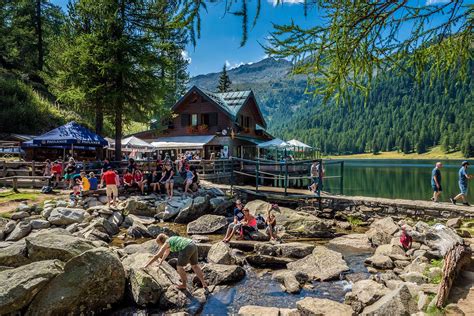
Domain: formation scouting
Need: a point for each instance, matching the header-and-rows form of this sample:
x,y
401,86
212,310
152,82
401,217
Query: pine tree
x,y
224,81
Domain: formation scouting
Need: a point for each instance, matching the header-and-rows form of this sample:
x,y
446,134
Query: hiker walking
x,y
464,178
436,181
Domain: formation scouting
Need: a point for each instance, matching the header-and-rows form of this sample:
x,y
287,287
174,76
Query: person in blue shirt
x,y
236,225
436,181
93,181
464,177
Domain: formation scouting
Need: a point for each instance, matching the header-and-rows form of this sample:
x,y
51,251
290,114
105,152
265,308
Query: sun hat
x,y
465,162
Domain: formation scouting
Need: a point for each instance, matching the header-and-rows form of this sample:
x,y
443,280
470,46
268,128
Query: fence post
x,y
286,177
15,184
232,178
257,170
5,171
342,178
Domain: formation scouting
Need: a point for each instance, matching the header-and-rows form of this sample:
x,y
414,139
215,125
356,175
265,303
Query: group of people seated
x,y
245,224
160,180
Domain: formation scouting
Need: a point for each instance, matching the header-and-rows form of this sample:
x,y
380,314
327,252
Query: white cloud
x,y
434,2
277,2
227,64
185,56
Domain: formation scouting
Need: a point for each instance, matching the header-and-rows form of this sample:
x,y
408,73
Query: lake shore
x,y
434,153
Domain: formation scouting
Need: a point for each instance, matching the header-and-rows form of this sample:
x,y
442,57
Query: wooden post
x,y
33,173
15,184
286,177
232,179
257,169
5,170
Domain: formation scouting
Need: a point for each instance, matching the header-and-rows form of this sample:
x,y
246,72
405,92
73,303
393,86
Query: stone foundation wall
x,y
369,207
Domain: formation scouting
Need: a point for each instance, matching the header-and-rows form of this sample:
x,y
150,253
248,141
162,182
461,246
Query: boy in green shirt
x,y
187,253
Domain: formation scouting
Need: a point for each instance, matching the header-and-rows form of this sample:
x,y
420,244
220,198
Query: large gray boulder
x,y
264,261
295,223
90,283
219,205
14,255
217,274
396,302
382,230
221,253
21,230
66,216
438,237
365,292
40,224
19,215
149,246
18,286
174,206
116,218
199,207
323,264
319,306
136,207
380,262
207,224
293,281
47,245
148,285
291,250
354,242
253,310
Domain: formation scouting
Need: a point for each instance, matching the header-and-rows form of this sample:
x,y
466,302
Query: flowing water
x,y
395,178
258,289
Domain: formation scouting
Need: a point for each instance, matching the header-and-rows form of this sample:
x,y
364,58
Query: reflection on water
x,y
395,178
260,290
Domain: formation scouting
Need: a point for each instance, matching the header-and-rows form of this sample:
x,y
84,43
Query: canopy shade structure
x,y
68,135
297,143
185,142
274,143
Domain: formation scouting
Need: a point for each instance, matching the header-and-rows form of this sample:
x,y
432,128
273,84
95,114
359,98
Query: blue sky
x,y
221,33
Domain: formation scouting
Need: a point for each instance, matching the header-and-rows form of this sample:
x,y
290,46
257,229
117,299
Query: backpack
x,y
260,221
46,189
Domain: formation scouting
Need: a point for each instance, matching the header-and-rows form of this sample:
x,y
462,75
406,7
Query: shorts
x,y
463,189
111,189
435,189
68,176
188,255
270,227
235,227
189,181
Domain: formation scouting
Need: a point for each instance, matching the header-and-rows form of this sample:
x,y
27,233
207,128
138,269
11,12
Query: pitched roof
x,y
230,102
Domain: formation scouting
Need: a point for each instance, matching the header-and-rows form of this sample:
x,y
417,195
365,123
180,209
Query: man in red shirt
x,y
57,171
111,185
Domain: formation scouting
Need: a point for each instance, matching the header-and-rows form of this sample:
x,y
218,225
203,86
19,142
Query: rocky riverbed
x,y
57,259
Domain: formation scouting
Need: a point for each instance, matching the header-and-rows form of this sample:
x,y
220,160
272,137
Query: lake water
x,y
397,178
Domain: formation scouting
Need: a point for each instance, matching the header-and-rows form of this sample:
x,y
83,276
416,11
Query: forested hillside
x,y
399,113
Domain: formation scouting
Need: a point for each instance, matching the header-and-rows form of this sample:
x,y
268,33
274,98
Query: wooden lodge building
x,y
213,124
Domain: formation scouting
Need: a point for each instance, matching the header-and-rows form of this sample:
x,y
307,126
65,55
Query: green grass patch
x,y
433,310
354,221
11,196
435,263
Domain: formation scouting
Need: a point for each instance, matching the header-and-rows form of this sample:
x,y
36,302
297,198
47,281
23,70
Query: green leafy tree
x,y
27,29
224,81
356,40
114,57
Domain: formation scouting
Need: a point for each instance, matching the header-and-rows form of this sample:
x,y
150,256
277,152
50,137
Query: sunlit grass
x,y
434,153
9,196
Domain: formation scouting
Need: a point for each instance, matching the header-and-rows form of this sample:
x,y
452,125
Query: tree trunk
x,y
454,261
118,132
39,34
99,128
